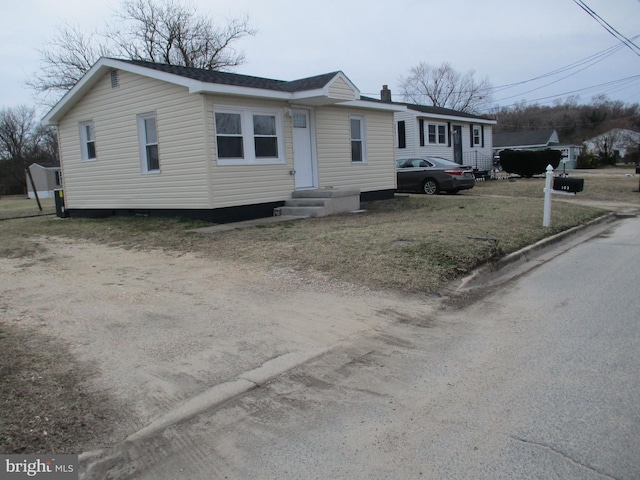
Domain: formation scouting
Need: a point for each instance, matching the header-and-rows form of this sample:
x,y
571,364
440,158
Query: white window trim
x,y
479,142
437,127
84,151
246,121
142,142
363,137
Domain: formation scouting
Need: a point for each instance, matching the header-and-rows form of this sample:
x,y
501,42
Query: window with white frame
x,y
246,136
87,141
477,138
148,138
358,139
437,133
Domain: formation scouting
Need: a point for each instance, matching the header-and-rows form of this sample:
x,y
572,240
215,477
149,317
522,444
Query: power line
x,y
632,46
620,83
589,60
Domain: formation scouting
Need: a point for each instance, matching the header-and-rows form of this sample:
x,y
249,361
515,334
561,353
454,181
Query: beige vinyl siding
x,y
233,185
335,168
341,90
115,178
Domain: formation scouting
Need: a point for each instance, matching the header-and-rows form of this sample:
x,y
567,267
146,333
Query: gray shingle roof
x,y
519,139
234,79
443,111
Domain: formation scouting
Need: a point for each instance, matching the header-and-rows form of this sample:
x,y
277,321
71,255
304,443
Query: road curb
x,y
525,253
98,462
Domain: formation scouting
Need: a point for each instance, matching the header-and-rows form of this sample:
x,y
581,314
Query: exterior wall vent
x,y
114,78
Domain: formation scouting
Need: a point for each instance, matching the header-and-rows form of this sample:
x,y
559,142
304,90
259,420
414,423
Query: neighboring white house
x,y
441,132
617,141
537,140
141,137
46,177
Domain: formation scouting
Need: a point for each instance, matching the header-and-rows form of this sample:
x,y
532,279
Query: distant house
x,y
141,137
460,137
617,141
47,177
537,140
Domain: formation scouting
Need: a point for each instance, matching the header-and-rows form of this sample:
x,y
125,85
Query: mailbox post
x,y
558,186
637,173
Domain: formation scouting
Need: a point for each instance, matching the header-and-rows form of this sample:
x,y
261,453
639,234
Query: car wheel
x,y
430,186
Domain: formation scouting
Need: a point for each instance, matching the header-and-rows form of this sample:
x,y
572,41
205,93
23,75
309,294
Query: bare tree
x,y
175,34
68,56
445,87
163,31
606,146
22,142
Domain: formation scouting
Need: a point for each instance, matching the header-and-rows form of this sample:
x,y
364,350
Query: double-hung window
x,y
476,136
358,139
265,138
87,141
148,138
229,135
437,133
246,136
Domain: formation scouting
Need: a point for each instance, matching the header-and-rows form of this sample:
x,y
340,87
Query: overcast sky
x,y
376,42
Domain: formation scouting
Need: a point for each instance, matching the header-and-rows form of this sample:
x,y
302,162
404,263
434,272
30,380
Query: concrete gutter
x,y
489,273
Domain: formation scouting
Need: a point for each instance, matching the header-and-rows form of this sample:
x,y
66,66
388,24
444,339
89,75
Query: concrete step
x,y
327,193
321,202
301,211
306,202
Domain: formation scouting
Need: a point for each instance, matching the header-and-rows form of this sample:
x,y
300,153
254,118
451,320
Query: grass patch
x,y
16,206
44,407
611,185
413,243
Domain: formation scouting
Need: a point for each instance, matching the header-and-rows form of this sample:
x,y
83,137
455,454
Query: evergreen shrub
x,y
528,163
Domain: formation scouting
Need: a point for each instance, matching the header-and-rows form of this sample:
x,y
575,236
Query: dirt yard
x,y
141,331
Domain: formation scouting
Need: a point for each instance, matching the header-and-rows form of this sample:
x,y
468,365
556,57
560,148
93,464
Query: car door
x,y
405,173
412,173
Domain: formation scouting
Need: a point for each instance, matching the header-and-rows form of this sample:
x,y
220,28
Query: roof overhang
x,y
454,118
390,107
312,97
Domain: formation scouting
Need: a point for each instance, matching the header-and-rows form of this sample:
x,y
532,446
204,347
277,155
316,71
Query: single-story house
x,y
46,176
137,137
537,140
460,137
618,141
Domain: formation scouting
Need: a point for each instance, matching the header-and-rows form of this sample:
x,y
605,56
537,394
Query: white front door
x,y
303,152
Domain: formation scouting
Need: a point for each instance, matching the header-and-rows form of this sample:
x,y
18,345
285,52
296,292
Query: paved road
x,y
539,380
